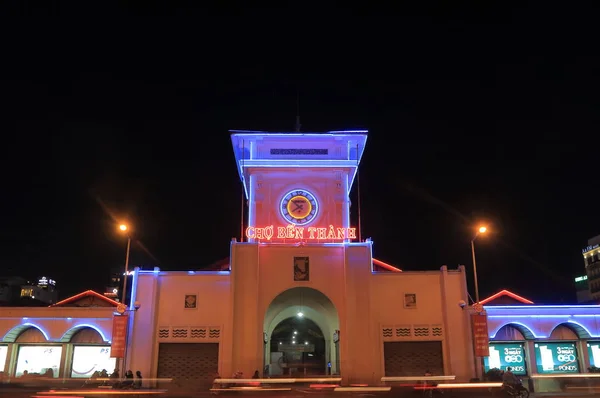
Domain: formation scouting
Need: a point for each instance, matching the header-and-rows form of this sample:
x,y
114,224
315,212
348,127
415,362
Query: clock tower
x,y
298,184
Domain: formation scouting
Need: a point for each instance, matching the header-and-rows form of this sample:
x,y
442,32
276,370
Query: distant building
x,y
19,292
583,289
113,289
10,289
591,258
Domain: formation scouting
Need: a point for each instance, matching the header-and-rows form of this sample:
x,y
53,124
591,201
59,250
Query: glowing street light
x,y
295,332
481,230
124,228
300,314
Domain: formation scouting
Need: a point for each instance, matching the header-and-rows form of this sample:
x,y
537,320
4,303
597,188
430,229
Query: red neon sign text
x,y
300,233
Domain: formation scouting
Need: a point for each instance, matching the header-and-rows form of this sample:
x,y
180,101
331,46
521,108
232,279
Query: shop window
x,y
39,361
552,358
593,352
504,355
3,353
88,360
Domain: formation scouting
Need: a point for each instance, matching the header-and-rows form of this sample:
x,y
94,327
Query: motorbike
x,y
517,390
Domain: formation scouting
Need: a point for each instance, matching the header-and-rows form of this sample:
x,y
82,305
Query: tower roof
x,y
332,149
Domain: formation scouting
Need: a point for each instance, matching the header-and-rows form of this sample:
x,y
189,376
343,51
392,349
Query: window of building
x,y
26,292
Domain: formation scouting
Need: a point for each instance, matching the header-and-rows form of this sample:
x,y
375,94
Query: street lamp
x,y
124,228
480,230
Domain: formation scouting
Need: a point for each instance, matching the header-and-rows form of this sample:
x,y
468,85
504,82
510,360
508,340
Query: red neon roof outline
x,y
505,293
386,266
87,293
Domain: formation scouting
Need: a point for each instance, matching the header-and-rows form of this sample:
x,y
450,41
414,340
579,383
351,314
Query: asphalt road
x,y
296,393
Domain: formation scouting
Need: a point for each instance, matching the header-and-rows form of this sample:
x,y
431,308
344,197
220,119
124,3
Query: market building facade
x,y
301,295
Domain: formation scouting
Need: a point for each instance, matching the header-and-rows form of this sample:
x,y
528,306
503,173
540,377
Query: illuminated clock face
x,y
299,207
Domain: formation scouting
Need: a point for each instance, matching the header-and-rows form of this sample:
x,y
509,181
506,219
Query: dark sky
x,y
474,114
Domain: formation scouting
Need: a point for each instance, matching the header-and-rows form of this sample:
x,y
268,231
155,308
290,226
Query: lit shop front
x,y
3,354
552,358
88,360
593,353
71,339
541,340
43,360
504,355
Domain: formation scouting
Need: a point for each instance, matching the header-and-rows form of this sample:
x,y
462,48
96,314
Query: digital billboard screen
x,y
504,355
556,358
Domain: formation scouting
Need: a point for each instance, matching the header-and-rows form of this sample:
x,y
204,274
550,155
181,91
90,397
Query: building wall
x,y
437,315
259,274
55,322
328,186
162,308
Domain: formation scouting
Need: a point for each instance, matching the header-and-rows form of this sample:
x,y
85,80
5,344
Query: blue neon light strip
x,y
102,333
526,307
198,272
509,320
528,316
296,134
253,163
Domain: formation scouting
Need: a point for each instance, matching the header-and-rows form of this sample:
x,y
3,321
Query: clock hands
x,y
299,206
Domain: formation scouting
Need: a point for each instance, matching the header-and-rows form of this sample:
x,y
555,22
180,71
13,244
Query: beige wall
x,y
162,295
342,294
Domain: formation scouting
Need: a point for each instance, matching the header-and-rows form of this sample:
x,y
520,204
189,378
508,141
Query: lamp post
x,y
481,230
136,306
478,362
125,229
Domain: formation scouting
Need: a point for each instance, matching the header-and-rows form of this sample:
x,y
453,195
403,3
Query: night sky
x,y
474,115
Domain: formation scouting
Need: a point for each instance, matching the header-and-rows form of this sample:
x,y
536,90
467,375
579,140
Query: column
x,y
247,331
357,336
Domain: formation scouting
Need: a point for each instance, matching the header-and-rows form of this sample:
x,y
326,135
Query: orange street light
x,y
481,230
125,228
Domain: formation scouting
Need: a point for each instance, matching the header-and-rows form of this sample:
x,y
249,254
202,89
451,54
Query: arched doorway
x,y
312,349
301,345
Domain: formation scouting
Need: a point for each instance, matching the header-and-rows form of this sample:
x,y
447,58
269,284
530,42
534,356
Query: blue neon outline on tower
x,y
283,207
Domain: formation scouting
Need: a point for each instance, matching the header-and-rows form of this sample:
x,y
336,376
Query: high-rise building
x,y
19,292
591,258
583,289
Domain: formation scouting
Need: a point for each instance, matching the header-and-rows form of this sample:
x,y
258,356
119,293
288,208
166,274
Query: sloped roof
x,y
385,266
83,295
505,293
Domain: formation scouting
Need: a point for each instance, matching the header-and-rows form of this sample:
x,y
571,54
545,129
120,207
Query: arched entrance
x,y
311,350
